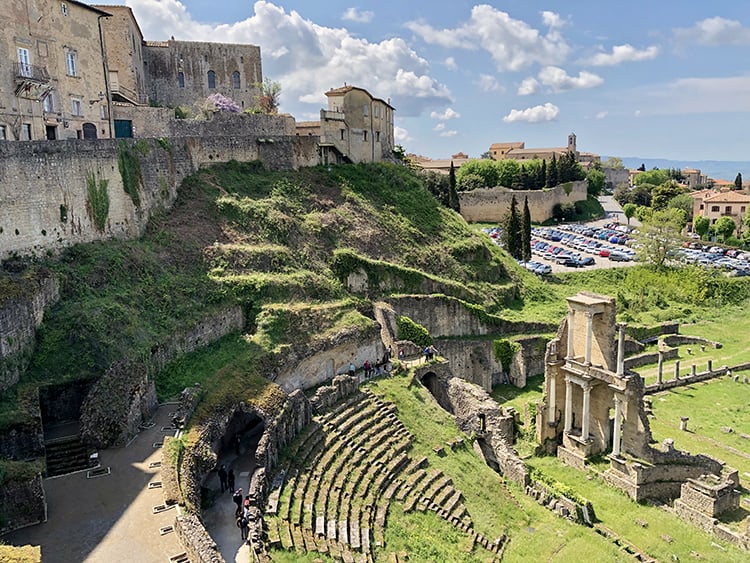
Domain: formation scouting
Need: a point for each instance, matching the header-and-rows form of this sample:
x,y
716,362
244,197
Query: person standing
x,y
243,525
230,480
223,479
237,499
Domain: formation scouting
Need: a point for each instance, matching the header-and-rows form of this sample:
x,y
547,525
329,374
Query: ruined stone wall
x,y
24,440
682,339
490,204
651,358
199,546
326,396
448,317
22,504
19,318
117,405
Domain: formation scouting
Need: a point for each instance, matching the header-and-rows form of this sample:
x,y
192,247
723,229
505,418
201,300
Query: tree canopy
x,y
659,235
654,177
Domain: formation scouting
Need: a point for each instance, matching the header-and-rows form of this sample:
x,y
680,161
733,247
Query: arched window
x,y
181,79
211,79
236,80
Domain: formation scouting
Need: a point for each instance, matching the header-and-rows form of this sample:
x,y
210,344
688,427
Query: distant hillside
x,y
716,169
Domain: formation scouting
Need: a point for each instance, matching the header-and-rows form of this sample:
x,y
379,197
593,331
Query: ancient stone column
x,y
683,423
586,409
710,365
617,438
568,404
571,314
620,349
676,370
692,370
660,367
589,335
551,408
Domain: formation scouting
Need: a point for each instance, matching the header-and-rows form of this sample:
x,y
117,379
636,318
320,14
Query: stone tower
x,y
572,143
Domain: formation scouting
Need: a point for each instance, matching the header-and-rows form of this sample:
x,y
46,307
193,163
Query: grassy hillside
x,y
281,244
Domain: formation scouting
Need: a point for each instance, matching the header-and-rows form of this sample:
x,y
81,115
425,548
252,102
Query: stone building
x,y
53,83
356,127
518,151
179,73
123,42
714,204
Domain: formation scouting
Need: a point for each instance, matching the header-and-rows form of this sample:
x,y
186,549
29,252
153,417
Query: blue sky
x,y
661,79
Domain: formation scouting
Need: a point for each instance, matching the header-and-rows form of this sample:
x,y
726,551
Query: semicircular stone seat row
x,y
339,478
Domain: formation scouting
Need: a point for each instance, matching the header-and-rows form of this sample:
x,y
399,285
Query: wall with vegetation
x,y
488,205
21,313
22,503
55,194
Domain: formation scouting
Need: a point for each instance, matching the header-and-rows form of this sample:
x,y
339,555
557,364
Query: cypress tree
x,y
526,231
542,178
552,177
453,202
511,231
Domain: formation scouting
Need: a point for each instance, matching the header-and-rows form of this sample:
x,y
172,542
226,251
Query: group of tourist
x,y
370,369
242,512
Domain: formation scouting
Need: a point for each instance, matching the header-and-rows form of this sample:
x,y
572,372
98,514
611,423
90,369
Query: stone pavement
x,y
109,518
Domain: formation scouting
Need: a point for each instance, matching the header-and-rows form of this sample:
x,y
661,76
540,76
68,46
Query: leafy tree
x,y
623,194
485,169
641,195
223,103
642,167
486,155
468,182
701,225
662,194
682,201
453,202
267,100
660,236
738,181
724,227
526,231
508,171
596,180
629,211
511,227
655,177
613,162
400,153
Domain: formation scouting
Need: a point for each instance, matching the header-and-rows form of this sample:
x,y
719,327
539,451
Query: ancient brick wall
x,y
490,204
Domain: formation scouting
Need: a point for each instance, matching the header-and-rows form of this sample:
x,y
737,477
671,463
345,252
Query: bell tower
x,y
572,143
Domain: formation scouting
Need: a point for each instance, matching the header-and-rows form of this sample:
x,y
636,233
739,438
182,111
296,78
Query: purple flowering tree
x,y
223,103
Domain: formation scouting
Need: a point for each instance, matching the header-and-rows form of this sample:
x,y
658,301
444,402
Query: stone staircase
x,y
66,455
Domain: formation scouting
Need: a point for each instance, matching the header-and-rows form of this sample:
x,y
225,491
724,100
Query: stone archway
x,y
429,380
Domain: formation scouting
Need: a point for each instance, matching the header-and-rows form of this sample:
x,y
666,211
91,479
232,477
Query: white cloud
x,y
715,31
449,133
450,62
551,19
513,44
353,14
637,113
528,86
559,80
449,113
624,53
536,114
602,114
439,127
401,135
488,83
308,59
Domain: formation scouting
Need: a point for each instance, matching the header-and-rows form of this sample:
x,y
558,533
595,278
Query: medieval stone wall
x,y
44,185
490,204
19,319
24,440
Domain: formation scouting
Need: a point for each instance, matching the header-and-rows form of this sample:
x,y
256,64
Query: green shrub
x,y
97,201
130,171
414,332
504,351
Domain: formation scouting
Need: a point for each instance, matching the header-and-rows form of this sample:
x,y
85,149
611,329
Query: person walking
x,y
223,479
237,499
230,480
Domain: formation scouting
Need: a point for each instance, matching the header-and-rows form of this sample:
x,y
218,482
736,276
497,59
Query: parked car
x,y
619,257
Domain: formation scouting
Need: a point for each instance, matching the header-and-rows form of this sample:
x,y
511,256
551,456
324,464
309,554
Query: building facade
x,y
179,73
713,205
518,151
356,127
53,83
